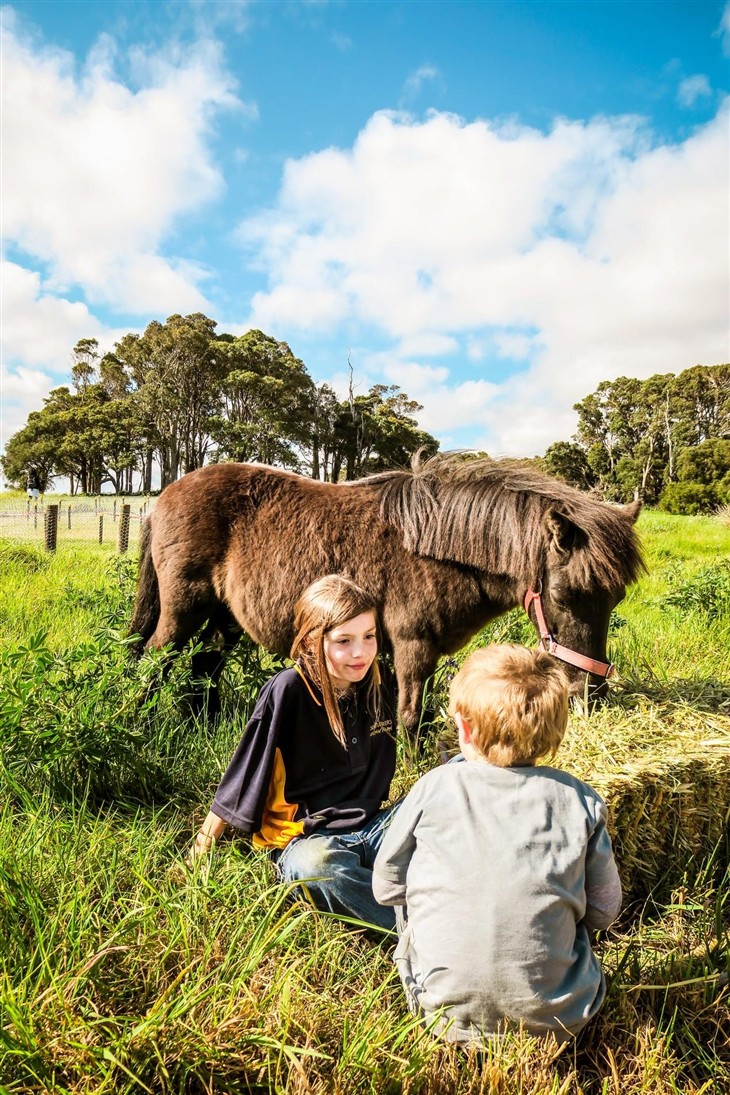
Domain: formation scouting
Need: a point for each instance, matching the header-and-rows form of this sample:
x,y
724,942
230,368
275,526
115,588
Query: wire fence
x,y
53,521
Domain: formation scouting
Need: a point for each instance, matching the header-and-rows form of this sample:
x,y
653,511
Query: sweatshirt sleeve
x,y
242,792
391,863
603,885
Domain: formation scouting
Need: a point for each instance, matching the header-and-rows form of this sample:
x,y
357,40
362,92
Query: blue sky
x,y
493,205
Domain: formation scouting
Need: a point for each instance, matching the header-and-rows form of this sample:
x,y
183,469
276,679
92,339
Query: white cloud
x,y
427,344
97,170
233,15
514,345
37,335
447,408
96,174
23,391
723,30
692,89
409,228
414,83
36,323
586,248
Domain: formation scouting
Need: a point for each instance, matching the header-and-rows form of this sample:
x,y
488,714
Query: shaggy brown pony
x,y
443,548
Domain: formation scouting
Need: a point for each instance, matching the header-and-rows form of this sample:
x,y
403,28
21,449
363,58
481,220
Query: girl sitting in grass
x,y
317,756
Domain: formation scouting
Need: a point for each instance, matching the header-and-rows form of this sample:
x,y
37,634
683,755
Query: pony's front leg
x,y
414,663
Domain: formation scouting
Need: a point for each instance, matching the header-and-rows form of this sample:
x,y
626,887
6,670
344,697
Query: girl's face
x,y
350,649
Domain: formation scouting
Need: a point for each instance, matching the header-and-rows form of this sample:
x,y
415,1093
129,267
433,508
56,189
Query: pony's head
x,y
588,559
536,535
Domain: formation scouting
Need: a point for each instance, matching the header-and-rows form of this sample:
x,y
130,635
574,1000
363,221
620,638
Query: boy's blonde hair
x,y
324,605
515,701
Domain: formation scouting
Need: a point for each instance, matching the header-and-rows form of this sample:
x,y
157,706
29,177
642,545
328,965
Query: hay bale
x,y
664,771
668,819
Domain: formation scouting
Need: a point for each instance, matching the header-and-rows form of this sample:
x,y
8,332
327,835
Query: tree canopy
x,y
665,440
180,395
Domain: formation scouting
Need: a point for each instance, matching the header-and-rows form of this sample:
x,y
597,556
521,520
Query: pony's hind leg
x,y
173,630
176,627
219,636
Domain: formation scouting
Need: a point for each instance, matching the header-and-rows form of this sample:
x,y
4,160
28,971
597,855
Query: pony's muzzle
x,y
586,691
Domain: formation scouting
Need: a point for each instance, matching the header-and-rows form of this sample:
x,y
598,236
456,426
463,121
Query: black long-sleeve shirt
x,y
291,776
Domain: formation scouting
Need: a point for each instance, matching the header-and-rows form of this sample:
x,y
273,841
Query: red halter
x,y
590,665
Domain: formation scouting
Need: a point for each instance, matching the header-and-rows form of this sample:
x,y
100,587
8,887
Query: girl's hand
x,y
202,844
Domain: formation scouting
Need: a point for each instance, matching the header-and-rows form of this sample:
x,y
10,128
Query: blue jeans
x,y
337,870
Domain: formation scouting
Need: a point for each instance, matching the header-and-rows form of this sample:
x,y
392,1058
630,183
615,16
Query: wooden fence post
x,y
50,527
123,541
101,528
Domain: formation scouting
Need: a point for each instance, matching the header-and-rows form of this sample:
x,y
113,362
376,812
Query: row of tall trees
x,y
180,395
665,440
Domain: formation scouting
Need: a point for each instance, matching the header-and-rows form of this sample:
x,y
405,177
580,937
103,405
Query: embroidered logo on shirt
x,y
381,727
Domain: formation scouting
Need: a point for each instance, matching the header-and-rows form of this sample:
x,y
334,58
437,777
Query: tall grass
x,y
121,972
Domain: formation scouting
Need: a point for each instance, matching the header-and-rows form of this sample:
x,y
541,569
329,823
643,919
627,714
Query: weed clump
x,y
30,559
706,592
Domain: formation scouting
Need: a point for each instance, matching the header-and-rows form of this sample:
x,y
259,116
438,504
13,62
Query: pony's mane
x,y
491,514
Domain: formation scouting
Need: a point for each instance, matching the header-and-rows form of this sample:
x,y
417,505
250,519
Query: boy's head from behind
x,y
514,702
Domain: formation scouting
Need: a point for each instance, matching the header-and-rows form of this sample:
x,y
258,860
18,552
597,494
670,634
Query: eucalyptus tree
x,y
568,461
35,448
377,431
267,404
178,377
325,414
635,433
180,394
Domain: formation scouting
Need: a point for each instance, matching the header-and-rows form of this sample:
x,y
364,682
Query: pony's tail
x,y
147,606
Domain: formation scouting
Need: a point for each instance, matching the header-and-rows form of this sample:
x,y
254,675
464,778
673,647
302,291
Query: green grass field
x,y
122,973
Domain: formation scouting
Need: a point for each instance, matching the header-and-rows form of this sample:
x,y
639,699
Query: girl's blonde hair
x,y
326,604
515,700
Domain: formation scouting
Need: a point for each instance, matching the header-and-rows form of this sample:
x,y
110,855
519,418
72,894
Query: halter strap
x,y
564,653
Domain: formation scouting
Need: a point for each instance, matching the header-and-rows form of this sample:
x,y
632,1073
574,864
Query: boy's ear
x,y
463,727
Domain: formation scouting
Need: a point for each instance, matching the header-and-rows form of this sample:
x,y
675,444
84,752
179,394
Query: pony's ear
x,y
633,510
563,535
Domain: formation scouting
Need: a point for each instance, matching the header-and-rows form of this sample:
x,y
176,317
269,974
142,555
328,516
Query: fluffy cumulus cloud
x,y
95,173
587,252
35,324
97,170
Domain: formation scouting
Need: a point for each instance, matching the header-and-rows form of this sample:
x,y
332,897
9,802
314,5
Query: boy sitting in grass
x,y
503,867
